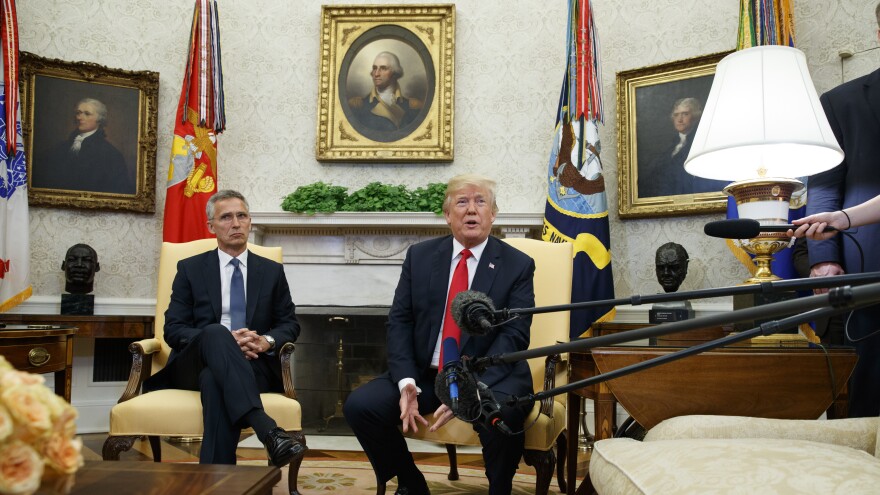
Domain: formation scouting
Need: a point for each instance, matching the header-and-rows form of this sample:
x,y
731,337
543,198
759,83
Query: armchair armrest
x,y
286,356
549,382
141,360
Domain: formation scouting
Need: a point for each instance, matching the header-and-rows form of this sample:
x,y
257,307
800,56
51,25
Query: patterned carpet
x,y
357,478
344,472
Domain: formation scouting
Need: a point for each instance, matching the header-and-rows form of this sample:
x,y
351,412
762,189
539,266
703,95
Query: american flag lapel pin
x,y
491,266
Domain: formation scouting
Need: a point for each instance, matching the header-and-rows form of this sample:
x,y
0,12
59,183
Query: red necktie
x,y
459,284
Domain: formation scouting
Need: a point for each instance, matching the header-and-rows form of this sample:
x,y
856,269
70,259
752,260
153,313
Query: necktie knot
x,y
234,262
465,254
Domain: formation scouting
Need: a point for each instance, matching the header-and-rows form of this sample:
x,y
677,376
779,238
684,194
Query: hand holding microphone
x,y
821,226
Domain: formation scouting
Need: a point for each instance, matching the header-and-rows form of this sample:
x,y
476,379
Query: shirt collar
x,y
86,134
476,251
225,258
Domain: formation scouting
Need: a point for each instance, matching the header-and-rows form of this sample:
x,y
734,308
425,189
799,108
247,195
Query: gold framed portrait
x,y
386,83
658,110
89,134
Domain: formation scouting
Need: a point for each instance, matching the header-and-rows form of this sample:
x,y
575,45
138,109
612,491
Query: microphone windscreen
x,y
468,399
467,306
735,228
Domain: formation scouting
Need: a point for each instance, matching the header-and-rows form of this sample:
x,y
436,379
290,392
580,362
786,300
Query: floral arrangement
x,y
36,432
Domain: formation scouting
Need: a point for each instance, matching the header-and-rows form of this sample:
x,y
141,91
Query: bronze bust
x,y
79,265
671,264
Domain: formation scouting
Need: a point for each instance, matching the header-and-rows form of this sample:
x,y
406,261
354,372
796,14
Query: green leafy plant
x,y
429,198
376,196
316,197
326,198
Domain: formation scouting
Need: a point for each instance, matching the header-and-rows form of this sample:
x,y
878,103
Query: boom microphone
x,y
746,228
490,410
468,400
473,311
451,363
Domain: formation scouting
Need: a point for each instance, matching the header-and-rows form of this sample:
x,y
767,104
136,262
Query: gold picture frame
x,y
417,124
652,146
112,113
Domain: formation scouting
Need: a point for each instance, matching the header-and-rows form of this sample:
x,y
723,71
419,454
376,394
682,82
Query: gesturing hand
x,y
409,409
441,416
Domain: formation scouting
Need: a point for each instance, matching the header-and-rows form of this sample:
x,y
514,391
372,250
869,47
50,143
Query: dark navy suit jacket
x,y
853,110
196,303
504,274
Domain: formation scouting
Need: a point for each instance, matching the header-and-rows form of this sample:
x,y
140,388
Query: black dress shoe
x,y
281,448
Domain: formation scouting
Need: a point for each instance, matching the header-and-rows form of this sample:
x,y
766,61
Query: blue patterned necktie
x,y
237,301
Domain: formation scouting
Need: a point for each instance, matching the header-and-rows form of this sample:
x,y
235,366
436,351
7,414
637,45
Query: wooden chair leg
x,y
114,446
453,462
543,462
561,449
156,448
295,463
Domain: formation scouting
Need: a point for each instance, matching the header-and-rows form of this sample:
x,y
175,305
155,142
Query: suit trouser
x,y
230,386
373,412
864,392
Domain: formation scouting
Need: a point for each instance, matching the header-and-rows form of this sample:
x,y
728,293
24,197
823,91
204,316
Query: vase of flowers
x,y
37,433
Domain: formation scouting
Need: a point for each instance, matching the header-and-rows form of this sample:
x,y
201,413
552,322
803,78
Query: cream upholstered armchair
x,y
553,271
734,454
178,413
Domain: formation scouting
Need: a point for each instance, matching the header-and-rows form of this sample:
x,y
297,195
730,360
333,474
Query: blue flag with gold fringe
x,y
577,207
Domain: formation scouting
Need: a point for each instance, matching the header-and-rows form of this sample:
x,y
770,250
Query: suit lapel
x,y
438,287
255,266
211,268
872,93
490,263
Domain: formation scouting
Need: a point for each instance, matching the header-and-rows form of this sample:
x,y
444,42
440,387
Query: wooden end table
x,y
41,349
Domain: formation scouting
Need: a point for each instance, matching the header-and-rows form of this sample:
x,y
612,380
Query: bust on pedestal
x,y
79,265
671,264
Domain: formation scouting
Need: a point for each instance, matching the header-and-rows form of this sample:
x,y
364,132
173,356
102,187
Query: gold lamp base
x,y
766,200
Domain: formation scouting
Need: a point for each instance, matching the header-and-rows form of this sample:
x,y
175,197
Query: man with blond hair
x,y
420,316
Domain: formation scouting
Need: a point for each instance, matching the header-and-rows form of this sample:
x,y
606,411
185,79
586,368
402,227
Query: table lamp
x,y
763,127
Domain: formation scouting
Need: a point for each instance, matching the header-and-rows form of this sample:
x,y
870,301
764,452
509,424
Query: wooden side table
x,y
98,326
41,349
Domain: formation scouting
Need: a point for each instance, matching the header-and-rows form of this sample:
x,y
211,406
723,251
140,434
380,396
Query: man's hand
x,y
250,342
826,269
409,409
441,416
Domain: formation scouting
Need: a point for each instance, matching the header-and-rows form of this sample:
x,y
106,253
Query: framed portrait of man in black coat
x,y
89,134
386,83
659,109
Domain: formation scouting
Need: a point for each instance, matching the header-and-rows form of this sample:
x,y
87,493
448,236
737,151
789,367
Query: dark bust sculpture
x,y
671,263
79,265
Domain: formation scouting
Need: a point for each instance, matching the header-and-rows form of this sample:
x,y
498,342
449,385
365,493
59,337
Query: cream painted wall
x,y
509,63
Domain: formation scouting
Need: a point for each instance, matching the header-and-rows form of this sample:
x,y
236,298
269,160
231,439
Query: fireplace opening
x,y
338,349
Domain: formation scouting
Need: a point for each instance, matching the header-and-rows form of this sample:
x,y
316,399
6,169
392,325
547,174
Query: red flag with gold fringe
x,y
192,175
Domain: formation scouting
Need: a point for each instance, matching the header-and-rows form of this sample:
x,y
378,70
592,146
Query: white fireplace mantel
x,y
353,259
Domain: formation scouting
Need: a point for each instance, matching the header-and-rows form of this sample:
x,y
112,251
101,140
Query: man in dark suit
x,y
230,311
418,314
853,110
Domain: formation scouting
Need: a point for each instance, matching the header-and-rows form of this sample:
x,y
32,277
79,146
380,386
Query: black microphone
x,y
746,228
455,373
451,366
490,410
473,311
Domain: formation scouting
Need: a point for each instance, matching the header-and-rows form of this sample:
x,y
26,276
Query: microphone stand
x,y
767,328
760,288
841,298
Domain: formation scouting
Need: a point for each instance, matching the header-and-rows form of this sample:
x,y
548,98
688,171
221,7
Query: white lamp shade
x,y
762,119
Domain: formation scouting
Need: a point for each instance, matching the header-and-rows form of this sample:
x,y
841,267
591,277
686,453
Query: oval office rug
x,y
356,477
